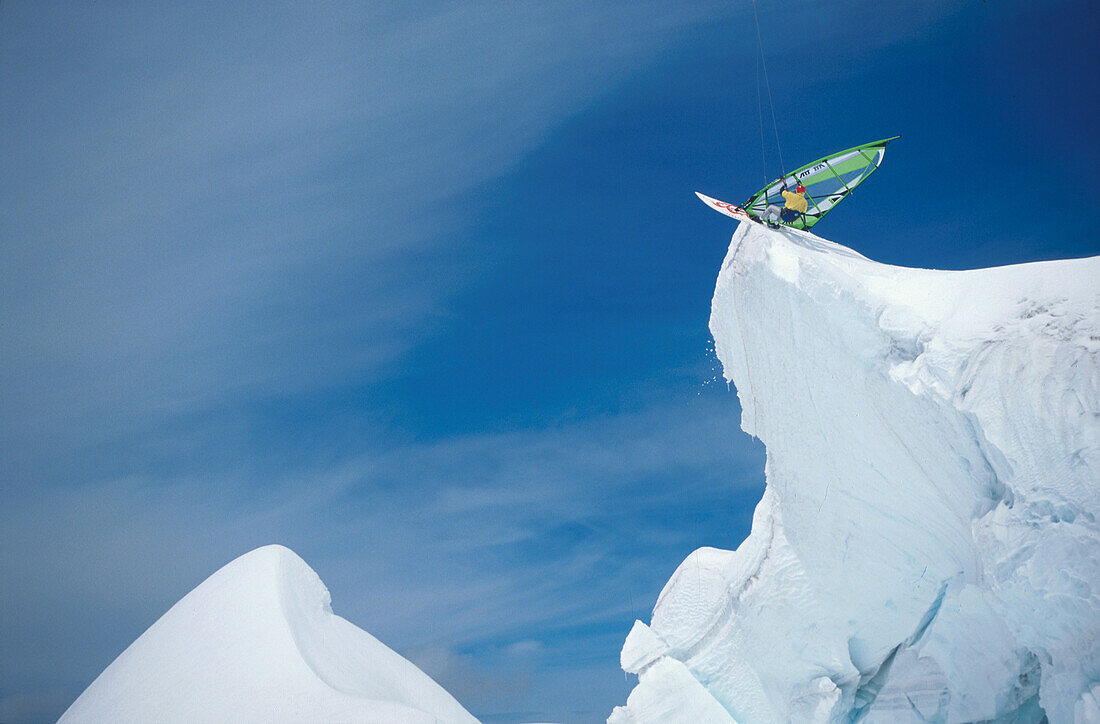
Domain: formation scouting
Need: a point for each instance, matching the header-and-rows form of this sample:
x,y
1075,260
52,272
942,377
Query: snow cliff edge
x,y
927,548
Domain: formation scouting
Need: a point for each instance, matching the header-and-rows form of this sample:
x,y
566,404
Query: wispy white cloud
x,y
206,202
433,547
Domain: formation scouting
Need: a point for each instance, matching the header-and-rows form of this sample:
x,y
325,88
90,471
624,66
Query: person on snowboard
x,y
796,203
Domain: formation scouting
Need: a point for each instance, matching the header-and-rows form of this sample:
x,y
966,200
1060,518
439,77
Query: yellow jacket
x,y
795,201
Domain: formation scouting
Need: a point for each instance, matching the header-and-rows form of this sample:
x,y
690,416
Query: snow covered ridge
x,y
258,642
927,548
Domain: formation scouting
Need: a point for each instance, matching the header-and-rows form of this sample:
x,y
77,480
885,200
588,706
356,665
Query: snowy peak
x,y
928,546
257,641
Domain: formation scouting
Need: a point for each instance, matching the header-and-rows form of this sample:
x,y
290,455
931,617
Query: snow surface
x,y
927,547
258,642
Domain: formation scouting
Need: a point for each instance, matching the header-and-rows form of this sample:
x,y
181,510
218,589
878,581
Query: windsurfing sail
x,y
828,181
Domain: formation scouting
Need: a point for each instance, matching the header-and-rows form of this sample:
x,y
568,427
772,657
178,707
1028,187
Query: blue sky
x,y
421,291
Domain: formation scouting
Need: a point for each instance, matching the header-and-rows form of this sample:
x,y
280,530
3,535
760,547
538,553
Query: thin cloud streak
x,y
407,558
194,227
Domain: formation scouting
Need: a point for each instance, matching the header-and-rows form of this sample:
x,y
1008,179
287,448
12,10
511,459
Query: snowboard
x,y
731,210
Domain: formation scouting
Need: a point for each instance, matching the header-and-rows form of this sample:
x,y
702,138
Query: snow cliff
x,y
258,642
927,548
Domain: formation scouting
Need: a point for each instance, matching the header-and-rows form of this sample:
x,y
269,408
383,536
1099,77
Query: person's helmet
x,y
800,189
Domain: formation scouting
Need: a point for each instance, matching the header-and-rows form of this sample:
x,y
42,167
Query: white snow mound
x,y
258,642
927,548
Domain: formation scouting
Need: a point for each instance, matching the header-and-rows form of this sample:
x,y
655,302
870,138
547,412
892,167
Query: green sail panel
x,y
828,181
